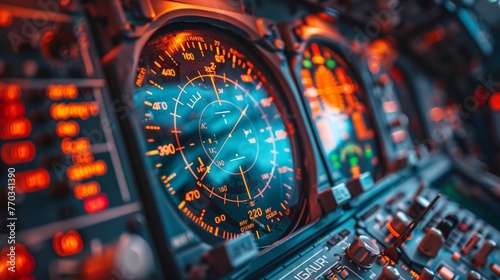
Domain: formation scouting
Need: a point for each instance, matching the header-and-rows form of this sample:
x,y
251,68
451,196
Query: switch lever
x,y
393,252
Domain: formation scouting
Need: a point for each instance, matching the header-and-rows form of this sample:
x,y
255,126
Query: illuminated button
x,y
32,180
495,268
81,110
15,129
69,146
56,92
390,106
446,273
436,114
495,101
12,109
84,171
85,190
67,129
398,136
82,158
19,152
10,92
67,244
96,203
5,18
21,258
463,226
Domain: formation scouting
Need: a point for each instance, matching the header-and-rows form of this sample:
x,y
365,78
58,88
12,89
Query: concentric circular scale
x,y
212,127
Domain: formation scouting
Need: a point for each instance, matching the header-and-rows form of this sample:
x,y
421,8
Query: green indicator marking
x,y
330,63
337,165
368,153
353,161
334,157
307,63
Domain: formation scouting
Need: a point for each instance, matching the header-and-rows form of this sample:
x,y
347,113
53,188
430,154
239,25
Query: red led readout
x,y
32,180
18,152
495,101
96,203
67,244
11,110
15,128
21,257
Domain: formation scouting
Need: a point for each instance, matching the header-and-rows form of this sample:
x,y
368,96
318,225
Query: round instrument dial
x,y
340,116
214,132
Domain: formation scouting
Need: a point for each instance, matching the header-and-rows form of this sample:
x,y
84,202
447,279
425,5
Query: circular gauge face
x,y
341,119
213,128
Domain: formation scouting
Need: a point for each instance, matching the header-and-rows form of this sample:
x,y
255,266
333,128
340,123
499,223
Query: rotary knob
x,y
474,276
389,273
399,223
363,251
58,46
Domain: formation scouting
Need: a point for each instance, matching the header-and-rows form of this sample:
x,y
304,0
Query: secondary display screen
x,y
341,119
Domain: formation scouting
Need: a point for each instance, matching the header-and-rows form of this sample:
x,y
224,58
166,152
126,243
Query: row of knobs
x,y
364,251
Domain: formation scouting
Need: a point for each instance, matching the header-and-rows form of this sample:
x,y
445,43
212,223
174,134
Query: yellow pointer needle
x,y
225,141
245,182
215,89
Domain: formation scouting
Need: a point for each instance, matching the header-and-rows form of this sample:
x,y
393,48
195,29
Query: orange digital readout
x,y
18,152
96,203
12,109
82,158
15,128
32,180
84,171
67,244
82,110
67,129
85,190
56,92
69,146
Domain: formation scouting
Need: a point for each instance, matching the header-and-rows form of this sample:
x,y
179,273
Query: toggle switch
x,y
481,257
